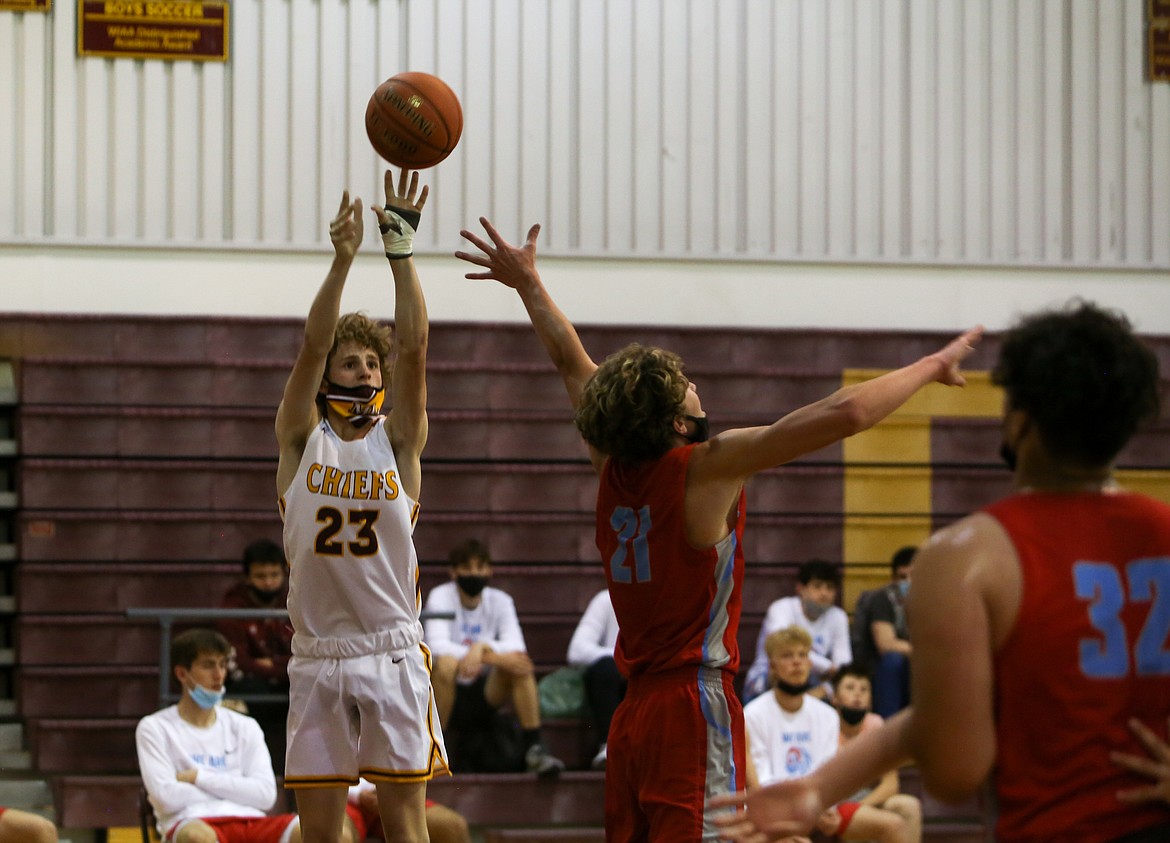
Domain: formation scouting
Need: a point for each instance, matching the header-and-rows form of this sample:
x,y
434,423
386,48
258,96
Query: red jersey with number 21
x,y
676,605
1089,650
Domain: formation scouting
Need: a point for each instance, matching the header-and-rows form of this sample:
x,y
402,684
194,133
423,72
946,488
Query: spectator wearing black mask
x,y
480,663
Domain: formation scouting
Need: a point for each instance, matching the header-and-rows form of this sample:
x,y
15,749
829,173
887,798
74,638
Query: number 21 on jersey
x,y
631,528
1108,656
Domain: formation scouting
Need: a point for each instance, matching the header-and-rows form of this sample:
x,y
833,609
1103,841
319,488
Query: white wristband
x,y
398,233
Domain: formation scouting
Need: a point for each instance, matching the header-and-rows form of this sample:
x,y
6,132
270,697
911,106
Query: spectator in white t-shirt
x,y
789,732
481,661
813,608
206,768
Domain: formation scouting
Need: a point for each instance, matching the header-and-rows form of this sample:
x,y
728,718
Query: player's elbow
x,y
852,415
412,340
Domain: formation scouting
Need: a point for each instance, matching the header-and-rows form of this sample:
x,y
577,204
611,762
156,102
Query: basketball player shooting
x,y
349,478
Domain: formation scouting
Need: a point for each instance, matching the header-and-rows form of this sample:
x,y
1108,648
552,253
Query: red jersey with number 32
x,y
1089,650
676,605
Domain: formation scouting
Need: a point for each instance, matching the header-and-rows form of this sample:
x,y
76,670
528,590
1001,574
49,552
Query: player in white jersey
x,y
349,478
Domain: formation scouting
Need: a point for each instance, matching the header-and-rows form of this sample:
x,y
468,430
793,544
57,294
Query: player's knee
x,y
904,805
22,827
196,832
447,827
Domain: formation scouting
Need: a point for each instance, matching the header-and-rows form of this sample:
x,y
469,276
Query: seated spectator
x,y
591,650
22,827
444,825
790,733
812,608
882,639
261,646
898,816
206,768
481,663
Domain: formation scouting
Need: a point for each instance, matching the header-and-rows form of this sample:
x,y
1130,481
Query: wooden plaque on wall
x,y
1158,40
196,30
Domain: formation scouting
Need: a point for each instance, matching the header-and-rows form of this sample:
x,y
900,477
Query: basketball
x,y
414,120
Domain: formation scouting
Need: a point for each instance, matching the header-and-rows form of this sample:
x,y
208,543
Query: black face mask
x,y
264,595
470,585
1008,454
702,429
852,716
790,689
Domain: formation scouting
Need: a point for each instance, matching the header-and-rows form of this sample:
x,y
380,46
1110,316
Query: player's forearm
x,y
411,326
322,319
869,402
863,760
557,334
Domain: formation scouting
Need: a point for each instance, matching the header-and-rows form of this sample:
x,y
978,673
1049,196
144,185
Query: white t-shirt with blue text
x,y
787,745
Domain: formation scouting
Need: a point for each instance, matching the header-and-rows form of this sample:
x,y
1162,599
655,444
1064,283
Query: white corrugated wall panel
x,y
1016,132
12,41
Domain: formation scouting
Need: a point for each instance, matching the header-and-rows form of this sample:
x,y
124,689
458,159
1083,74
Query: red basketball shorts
x,y
676,740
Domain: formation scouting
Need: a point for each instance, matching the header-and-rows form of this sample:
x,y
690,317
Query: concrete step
x,y
11,739
15,760
26,794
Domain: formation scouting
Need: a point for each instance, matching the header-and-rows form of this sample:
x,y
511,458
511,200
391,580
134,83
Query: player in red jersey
x,y
1039,624
670,516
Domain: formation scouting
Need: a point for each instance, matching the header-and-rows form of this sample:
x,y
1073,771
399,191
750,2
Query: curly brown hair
x,y
629,404
361,329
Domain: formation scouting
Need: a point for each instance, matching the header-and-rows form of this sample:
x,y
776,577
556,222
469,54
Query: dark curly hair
x,y
628,406
1083,377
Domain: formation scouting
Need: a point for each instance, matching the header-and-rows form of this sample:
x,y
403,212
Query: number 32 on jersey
x,y
1110,656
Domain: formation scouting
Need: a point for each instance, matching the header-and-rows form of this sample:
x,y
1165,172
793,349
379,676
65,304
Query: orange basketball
x,y
414,120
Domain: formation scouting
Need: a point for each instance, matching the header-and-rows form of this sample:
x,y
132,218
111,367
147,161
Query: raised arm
x,y
406,424
297,414
515,267
742,452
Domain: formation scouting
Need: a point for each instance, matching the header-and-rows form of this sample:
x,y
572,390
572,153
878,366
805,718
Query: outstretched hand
x,y
405,197
777,812
954,353
508,264
399,220
1157,767
346,229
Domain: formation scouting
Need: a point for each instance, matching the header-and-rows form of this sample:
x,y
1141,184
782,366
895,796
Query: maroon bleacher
x,y
147,462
